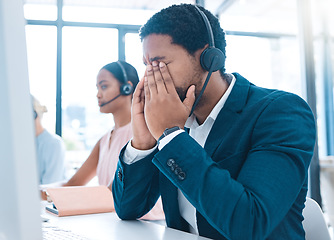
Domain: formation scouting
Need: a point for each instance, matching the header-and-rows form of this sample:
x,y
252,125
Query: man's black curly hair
x,y
186,27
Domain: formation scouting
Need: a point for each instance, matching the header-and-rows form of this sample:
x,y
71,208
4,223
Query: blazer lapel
x,y
228,114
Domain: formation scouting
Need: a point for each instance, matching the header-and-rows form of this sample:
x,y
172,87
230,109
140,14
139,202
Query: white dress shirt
x,y
196,131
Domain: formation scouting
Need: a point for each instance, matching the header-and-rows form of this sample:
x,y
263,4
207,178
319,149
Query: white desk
x,y
327,163
327,186
108,226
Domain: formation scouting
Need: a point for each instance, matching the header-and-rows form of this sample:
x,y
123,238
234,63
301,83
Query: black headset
x,y
126,88
35,114
212,59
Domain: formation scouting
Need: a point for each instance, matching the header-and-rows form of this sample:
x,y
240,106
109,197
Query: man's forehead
x,y
156,47
156,41
158,54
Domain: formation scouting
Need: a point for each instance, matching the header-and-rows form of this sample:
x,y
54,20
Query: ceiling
x,y
278,16
212,5
256,8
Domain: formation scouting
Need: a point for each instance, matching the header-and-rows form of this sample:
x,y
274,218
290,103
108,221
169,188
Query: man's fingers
x,y
159,81
138,91
147,89
168,81
150,83
190,98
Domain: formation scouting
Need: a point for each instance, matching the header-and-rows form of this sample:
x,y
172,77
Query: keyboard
x,y
52,232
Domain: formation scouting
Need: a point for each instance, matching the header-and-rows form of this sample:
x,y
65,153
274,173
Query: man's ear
x,y
198,52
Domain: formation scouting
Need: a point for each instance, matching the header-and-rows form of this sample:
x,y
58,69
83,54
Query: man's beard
x,y
182,92
195,79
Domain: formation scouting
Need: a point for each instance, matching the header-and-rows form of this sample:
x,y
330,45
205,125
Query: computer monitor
x,y
19,201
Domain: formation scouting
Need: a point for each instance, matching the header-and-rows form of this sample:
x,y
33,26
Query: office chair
x,y
314,222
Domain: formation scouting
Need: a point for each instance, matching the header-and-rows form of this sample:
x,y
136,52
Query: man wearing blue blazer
x,y
230,162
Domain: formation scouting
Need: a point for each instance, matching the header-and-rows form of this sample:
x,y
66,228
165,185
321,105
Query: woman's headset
x,y
126,88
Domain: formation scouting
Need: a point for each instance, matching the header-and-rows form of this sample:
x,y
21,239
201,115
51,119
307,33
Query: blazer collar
x,y
228,114
238,97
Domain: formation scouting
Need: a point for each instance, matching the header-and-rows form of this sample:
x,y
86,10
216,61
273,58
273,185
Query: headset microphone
x,y
203,88
211,59
103,104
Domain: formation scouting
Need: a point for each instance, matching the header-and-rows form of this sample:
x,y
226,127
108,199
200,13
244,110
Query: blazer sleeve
x,y
135,187
271,176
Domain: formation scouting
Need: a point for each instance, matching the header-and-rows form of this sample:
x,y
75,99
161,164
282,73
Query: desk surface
x,y
108,226
327,163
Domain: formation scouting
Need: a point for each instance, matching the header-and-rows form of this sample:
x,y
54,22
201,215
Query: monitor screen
x,y
19,201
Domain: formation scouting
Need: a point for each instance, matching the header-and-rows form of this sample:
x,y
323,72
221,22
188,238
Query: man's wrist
x,y
132,155
167,132
168,138
143,146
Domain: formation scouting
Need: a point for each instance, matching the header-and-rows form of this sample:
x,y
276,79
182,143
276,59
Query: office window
x,y
84,52
323,32
266,51
266,62
134,52
260,16
40,10
104,12
42,57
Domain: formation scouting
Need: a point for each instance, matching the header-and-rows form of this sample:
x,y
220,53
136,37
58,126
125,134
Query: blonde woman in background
x,y
50,149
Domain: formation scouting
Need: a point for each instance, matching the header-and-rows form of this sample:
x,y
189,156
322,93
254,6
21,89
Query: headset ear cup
x,y
126,89
212,59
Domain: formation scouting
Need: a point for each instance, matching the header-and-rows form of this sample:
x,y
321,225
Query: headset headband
x,y
208,27
125,78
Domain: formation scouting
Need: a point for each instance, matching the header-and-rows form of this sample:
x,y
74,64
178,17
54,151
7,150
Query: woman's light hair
x,y
38,107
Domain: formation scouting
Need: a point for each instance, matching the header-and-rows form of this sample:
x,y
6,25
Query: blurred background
x,y
281,44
